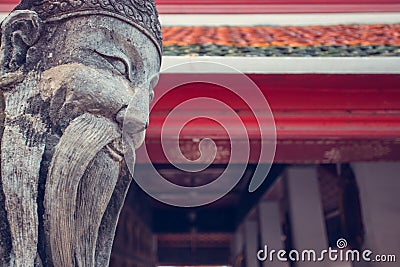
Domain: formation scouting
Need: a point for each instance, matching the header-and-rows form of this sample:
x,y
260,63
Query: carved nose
x,y
135,123
121,115
135,116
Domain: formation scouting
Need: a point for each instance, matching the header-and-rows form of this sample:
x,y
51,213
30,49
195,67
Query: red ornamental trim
x,y
260,6
318,117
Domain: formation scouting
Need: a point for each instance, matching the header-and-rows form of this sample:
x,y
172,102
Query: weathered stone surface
x,y
66,81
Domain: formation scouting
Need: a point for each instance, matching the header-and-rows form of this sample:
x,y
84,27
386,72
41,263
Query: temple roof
x,y
337,40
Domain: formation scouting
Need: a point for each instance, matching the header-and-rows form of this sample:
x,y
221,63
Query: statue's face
x,y
99,65
68,87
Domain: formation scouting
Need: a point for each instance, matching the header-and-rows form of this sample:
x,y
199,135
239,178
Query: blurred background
x,y
331,75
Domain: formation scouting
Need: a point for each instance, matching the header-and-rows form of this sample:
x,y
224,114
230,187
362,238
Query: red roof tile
x,y
264,36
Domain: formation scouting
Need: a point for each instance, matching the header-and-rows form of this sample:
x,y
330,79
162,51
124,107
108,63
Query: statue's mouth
x,y
121,115
134,121
115,149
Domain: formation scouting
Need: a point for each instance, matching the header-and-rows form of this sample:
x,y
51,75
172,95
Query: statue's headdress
x,y
141,14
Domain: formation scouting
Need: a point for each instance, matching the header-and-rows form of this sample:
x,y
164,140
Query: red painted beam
x,y
300,151
300,126
319,118
253,2
7,7
292,92
260,6
277,8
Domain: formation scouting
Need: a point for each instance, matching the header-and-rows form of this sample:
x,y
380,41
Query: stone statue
x,y
69,70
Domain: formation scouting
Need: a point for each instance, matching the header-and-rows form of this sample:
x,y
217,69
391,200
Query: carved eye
x,y
119,64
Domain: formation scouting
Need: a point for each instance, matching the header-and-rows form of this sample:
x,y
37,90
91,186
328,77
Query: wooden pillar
x,y
271,231
251,243
379,187
237,248
306,214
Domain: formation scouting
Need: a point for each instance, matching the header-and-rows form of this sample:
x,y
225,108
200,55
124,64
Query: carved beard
x,y
81,206
86,162
81,178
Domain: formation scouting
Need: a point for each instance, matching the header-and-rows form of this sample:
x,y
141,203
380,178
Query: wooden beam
x,y
334,117
259,6
276,8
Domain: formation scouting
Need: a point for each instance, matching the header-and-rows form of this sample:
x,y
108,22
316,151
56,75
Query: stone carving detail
x,y
139,12
69,71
